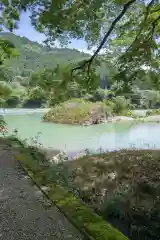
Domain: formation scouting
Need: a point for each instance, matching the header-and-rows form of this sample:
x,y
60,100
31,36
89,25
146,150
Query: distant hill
x,y
33,55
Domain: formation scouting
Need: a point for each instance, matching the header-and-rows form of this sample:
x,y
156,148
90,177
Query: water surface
x,y
108,136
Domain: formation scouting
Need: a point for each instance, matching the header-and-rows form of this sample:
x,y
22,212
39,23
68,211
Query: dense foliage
x,y
39,77
128,27
127,30
28,76
34,57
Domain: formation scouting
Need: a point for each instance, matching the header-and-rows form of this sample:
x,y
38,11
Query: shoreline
x,y
57,156
51,152
154,119
137,116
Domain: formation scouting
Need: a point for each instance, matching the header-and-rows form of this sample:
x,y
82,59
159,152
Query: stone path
x,y
24,212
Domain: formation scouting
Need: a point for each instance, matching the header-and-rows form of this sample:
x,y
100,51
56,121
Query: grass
x,y
82,216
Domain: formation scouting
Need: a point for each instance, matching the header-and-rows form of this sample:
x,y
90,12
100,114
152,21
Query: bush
x,y
109,107
149,98
13,101
76,111
121,105
2,122
102,94
124,186
118,105
153,112
130,114
3,126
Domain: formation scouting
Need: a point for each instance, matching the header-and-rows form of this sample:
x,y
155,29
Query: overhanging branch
x,y
117,19
142,24
154,23
155,10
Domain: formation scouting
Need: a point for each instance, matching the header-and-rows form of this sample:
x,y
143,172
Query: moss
x,y
83,216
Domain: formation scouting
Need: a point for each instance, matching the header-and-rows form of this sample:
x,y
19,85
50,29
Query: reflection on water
x,y
109,136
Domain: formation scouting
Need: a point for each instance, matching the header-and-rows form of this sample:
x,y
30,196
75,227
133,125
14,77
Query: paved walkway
x,y
24,213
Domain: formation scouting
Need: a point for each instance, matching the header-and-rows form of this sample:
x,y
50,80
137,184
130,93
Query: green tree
x,y
136,21
6,50
108,22
34,57
5,92
125,29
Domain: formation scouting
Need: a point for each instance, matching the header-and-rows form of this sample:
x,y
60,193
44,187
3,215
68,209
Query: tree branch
x,y
150,5
117,19
155,10
142,23
154,24
152,31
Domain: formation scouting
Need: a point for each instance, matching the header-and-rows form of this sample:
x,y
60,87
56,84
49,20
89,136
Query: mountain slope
x,y
33,55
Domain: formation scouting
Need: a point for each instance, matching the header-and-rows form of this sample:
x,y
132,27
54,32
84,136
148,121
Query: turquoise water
x,y
108,136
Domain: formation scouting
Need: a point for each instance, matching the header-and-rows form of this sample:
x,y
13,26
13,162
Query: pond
x,y
109,136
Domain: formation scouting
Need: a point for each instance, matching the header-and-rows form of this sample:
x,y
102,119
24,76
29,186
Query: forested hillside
x,y
36,75
32,55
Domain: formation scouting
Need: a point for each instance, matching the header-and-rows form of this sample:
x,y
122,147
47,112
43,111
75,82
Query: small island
x,y
86,113
77,111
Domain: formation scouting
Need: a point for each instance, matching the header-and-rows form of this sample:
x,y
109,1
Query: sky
x,y
25,29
